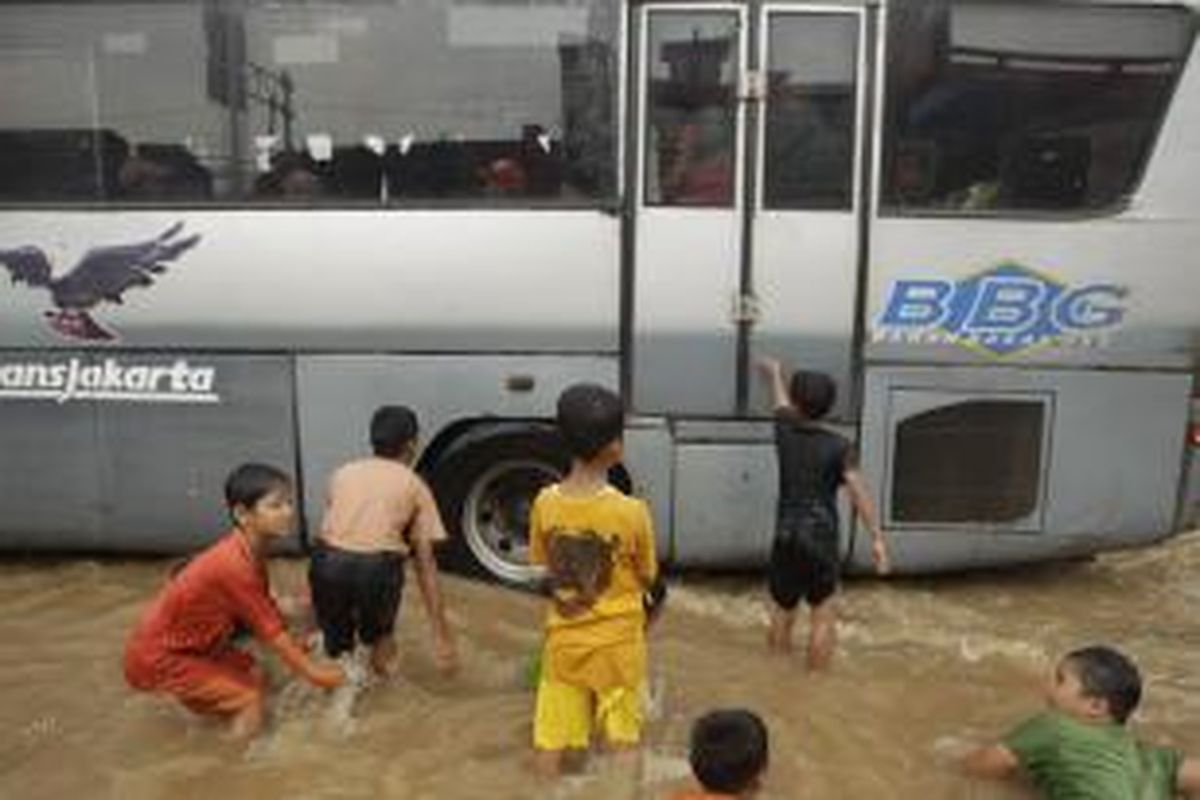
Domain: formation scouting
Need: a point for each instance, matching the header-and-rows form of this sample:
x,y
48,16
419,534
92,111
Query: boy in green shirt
x,y
1079,748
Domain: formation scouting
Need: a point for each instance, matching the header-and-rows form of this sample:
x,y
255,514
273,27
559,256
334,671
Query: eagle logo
x,y
103,274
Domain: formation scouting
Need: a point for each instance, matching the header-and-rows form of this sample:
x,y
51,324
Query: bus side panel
x,y
49,467
1120,440
338,394
648,458
1113,292
976,467
726,487
136,470
727,503
435,281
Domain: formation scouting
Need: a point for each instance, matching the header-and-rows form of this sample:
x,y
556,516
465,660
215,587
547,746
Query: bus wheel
x,y
485,492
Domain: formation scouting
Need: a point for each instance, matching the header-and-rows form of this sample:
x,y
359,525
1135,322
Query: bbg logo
x,y
1001,311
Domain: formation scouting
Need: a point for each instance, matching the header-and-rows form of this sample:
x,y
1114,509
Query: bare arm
x,y
994,761
772,370
431,596
864,506
1187,780
325,676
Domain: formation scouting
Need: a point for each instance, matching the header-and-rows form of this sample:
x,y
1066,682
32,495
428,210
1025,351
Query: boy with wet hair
x,y
597,545
183,643
1080,748
813,463
378,512
729,753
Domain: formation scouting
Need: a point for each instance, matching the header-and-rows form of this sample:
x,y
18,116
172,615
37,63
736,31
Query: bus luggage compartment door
x,y
49,474
988,466
726,488
129,451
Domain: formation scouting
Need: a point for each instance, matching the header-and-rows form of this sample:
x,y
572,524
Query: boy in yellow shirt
x,y
597,545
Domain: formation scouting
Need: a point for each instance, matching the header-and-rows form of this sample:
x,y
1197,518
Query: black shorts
x,y
802,565
354,594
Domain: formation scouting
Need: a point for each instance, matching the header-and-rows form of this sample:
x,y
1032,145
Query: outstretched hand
x,y
327,676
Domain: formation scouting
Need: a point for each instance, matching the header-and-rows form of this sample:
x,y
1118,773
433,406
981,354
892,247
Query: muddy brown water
x,y
924,665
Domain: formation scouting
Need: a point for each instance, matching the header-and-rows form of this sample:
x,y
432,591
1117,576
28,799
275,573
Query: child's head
x,y
812,393
1096,683
259,498
393,431
729,751
591,422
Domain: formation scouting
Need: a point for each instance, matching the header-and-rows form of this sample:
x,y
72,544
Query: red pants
x,y
221,684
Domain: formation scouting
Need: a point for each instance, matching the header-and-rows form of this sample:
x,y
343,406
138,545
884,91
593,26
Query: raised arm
x,y
772,370
864,506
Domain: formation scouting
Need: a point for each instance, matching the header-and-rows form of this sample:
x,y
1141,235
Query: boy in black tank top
x,y
813,463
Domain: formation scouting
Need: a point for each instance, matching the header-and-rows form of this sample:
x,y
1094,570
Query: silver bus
x,y
232,228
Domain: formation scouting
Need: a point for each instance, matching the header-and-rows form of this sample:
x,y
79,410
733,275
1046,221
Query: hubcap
x,y
495,515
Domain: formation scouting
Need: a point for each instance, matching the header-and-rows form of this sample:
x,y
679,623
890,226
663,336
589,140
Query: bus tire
x,y
485,491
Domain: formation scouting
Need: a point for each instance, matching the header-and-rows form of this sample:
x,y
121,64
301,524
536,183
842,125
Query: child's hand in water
x,y
951,750
326,676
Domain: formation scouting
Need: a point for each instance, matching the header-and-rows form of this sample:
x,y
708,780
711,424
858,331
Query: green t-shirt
x,y
1072,760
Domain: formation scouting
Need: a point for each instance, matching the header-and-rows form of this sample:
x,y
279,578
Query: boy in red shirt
x,y
182,644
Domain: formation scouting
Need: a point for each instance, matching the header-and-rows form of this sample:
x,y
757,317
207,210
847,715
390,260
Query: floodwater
x,y
924,666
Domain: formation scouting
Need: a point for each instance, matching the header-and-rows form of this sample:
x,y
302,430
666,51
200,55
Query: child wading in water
x,y
378,514
598,547
729,753
813,463
182,644
1079,746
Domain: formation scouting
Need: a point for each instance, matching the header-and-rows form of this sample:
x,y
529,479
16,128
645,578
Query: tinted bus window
x,y
691,109
810,116
1020,106
343,103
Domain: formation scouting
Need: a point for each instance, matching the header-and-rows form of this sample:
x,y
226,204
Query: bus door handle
x,y
744,309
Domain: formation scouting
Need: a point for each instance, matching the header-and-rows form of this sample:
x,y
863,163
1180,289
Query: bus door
x,y
808,205
688,222
747,218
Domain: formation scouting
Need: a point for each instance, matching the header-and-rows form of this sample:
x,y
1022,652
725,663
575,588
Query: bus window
x,y
83,114
1006,106
810,111
691,113
342,103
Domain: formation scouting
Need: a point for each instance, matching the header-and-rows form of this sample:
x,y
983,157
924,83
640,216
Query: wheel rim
x,y
495,515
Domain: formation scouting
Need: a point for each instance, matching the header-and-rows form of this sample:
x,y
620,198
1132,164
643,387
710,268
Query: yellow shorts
x,y
566,714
